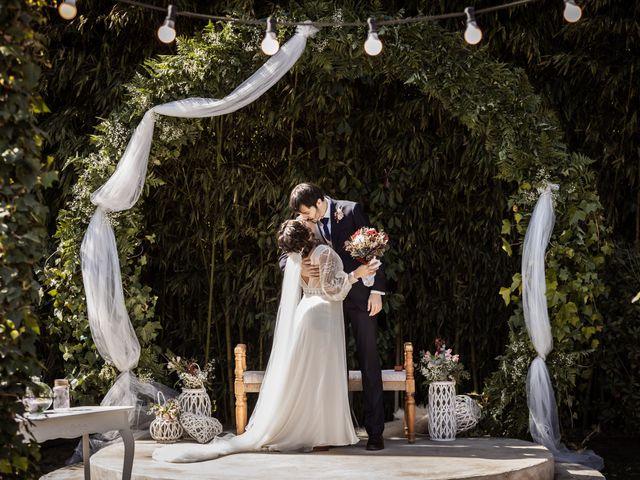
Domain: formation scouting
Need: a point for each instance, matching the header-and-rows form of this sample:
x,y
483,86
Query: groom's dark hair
x,y
306,194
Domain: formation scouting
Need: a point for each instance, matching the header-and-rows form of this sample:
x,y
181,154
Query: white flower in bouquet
x,y
169,410
190,373
442,366
367,244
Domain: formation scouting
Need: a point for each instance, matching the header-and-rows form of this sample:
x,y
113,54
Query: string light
x,y
67,9
472,34
572,12
373,45
167,32
270,44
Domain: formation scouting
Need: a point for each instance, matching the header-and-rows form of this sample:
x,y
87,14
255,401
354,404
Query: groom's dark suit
x,y
347,217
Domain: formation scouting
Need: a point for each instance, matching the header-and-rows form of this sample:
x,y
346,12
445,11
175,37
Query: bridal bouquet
x,y
367,244
442,366
190,373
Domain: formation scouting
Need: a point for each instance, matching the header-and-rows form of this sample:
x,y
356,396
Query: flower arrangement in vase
x,y
165,428
442,365
441,371
194,398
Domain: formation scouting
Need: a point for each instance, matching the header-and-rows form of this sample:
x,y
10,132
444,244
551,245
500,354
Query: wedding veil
x,y
269,408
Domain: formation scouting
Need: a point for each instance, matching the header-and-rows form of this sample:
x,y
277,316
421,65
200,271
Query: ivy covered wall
x,y
22,232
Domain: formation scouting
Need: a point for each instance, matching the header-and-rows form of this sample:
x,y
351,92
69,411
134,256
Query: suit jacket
x,y
353,218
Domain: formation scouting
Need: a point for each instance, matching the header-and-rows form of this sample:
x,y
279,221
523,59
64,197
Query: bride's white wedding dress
x,y
303,400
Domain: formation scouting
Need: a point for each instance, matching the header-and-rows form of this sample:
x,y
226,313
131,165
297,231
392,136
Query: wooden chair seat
x,y
249,381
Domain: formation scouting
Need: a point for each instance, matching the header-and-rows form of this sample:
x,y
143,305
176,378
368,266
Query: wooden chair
x,y
392,380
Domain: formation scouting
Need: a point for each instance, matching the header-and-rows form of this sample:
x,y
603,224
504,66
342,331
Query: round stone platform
x,y
465,458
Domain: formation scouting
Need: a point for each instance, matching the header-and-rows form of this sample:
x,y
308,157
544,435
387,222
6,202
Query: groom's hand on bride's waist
x,y
309,270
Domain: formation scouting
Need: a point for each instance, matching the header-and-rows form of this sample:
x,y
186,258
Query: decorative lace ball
x,y
200,427
165,431
468,413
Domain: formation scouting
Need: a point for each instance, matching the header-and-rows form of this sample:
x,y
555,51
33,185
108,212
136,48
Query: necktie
x,y
325,230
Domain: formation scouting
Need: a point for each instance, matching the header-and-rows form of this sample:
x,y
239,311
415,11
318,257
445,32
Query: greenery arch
x,y
443,101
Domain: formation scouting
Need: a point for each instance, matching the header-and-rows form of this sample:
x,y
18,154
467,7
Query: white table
x,y
81,421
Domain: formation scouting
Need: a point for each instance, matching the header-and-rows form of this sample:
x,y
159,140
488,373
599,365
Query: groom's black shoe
x,y
375,443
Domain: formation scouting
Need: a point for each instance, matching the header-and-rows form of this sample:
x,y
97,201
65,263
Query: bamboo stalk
x,y
293,120
474,365
227,323
211,289
222,372
260,346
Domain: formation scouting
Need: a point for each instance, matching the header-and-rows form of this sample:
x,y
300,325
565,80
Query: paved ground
x,y
571,471
466,458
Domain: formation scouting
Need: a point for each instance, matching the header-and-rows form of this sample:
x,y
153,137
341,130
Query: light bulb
x,y
167,32
270,44
373,45
472,34
572,12
67,9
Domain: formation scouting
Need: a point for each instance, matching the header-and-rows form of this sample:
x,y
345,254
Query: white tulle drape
x,y
543,411
111,328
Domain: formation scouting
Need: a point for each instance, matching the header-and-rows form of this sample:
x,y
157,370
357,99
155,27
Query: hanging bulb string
x,y
373,45
321,24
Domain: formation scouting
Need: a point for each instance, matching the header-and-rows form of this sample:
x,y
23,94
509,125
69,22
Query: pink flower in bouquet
x,y
367,243
442,365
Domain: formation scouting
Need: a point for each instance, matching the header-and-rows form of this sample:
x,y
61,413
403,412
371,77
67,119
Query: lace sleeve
x,y
334,281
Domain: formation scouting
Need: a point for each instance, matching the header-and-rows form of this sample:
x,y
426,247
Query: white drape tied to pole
x,y
543,410
109,321
125,185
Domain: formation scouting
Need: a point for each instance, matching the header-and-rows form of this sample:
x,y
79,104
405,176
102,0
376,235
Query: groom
x,y
333,222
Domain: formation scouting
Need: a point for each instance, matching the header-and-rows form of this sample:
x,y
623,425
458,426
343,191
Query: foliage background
x,y
584,73
22,231
448,171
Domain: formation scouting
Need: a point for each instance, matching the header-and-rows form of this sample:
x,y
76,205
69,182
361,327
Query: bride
x,y
303,400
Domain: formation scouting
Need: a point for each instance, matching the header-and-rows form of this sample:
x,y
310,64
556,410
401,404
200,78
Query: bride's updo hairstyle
x,y
295,237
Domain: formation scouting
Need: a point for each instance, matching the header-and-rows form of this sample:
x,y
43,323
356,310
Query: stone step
x,y
486,458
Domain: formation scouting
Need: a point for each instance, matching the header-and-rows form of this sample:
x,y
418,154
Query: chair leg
x,y
241,397
410,391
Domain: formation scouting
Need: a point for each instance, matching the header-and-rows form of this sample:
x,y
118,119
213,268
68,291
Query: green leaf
x,y
506,246
506,295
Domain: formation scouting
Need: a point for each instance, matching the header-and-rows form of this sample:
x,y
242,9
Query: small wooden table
x,y
81,421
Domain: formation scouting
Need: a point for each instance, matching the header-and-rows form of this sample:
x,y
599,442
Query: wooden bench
x,y
392,380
